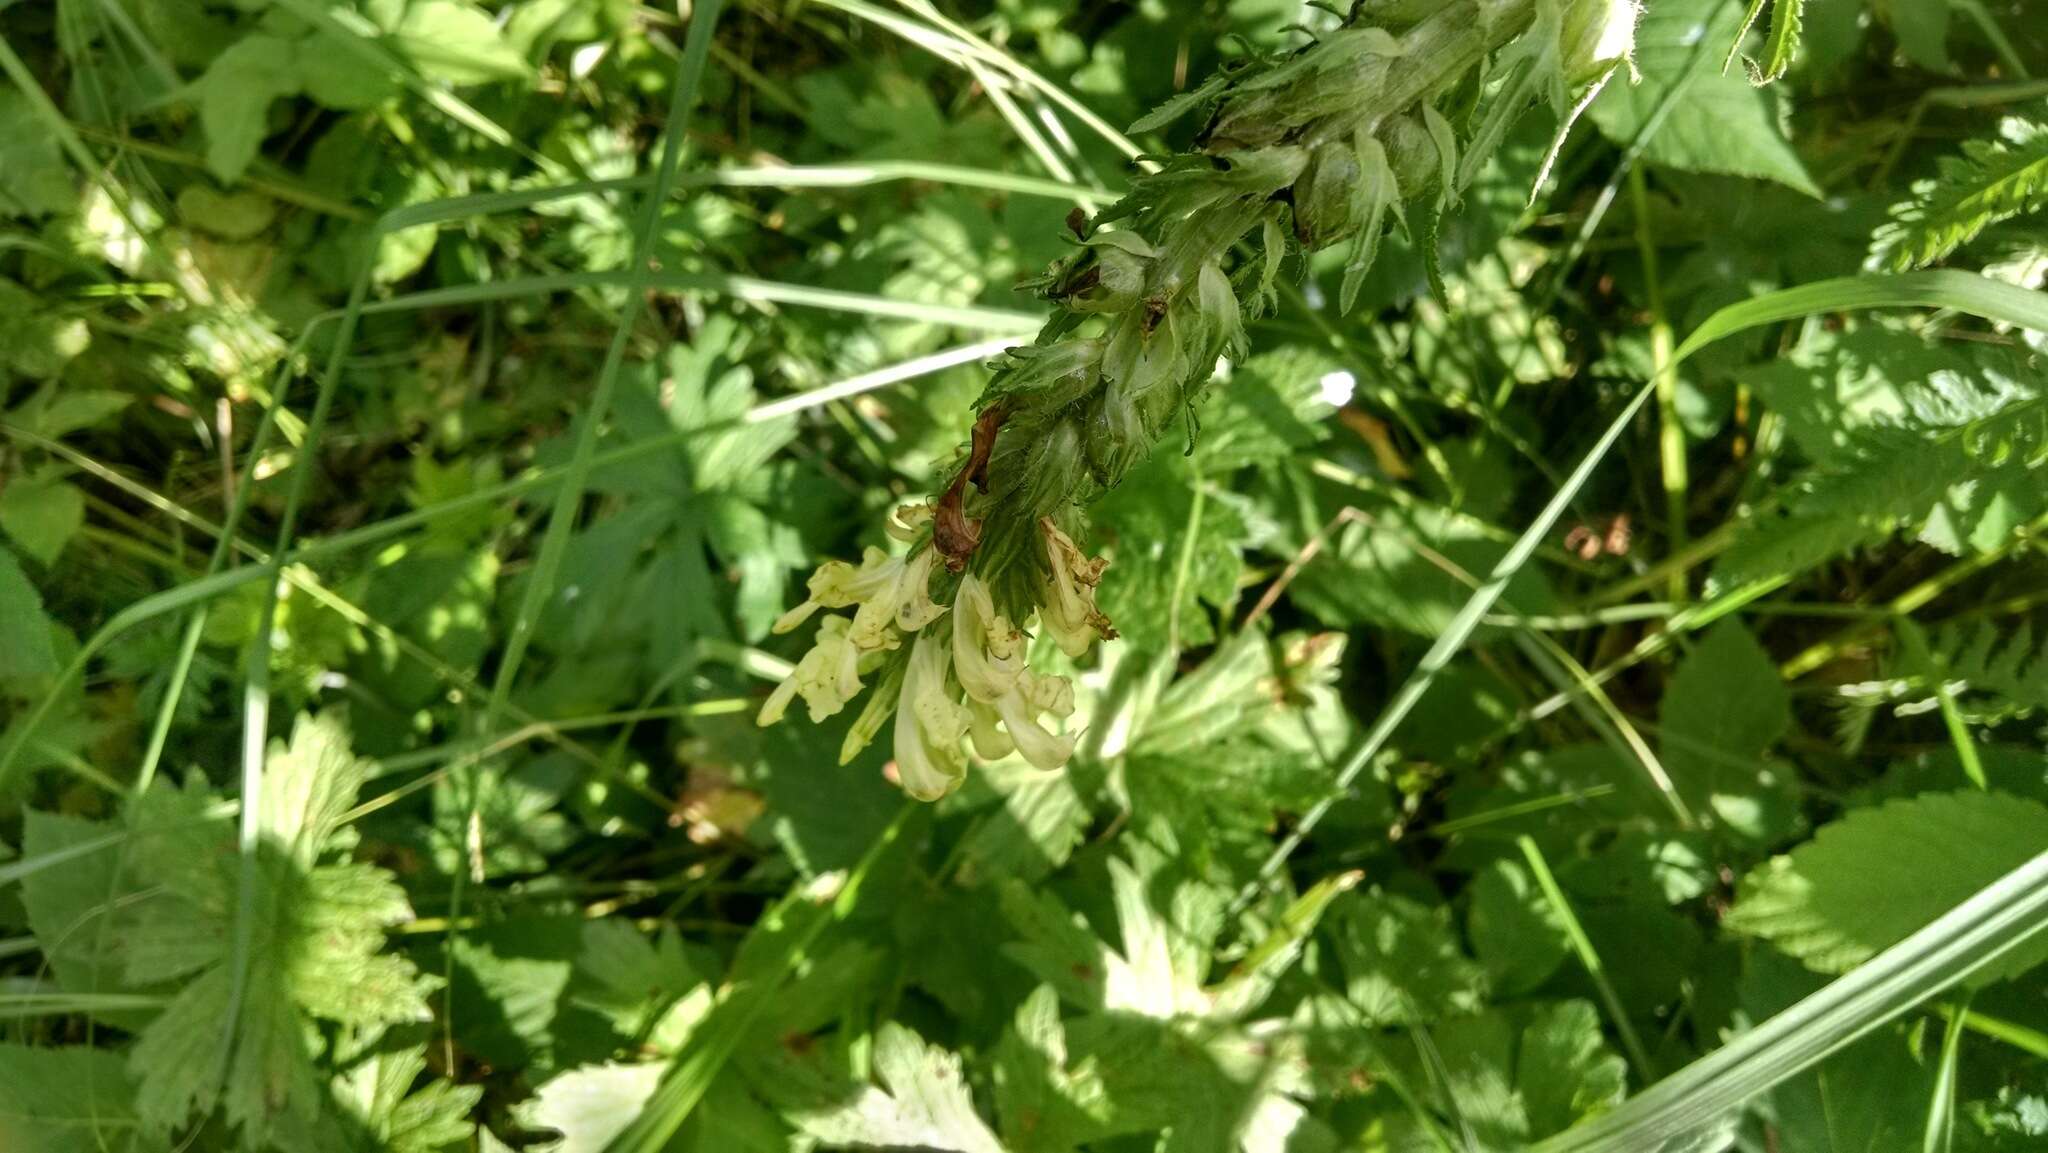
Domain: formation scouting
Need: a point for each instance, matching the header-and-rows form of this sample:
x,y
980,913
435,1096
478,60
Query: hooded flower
x,y
988,651
887,590
1019,708
1068,605
930,760
828,676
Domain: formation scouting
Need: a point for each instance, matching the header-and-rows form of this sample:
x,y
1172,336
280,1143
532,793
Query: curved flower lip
x,y
827,677
988,651
1019,710
930,725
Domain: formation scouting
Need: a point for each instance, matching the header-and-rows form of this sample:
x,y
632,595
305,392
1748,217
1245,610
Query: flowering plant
x,y
1324,146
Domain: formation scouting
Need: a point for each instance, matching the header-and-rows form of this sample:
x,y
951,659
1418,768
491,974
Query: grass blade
x,y
1962,941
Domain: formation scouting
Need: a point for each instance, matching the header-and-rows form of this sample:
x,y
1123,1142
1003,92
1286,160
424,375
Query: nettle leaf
x,y
1725,707
61,1100
1872,878
1720,123
315,944
1401,961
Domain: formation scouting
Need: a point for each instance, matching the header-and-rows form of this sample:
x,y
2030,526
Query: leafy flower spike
x,y
1324,146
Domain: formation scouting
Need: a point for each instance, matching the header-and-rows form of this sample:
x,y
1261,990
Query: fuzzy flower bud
x,y
1598,35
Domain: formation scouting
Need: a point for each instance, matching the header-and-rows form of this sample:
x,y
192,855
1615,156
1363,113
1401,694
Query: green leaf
x,y
451,41
1516,933
34,180
1720,123
55,411
230,216
1725,707
42,515
923,1102
1921,29
591,1104
25,646
234,100
1045,1105
315,947
378,1093
1870,879
1401,961
36,340
1993,180
1518,1073
61,1100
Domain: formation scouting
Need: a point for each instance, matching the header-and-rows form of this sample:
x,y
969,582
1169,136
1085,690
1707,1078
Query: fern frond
x,y
1992,180
2010,667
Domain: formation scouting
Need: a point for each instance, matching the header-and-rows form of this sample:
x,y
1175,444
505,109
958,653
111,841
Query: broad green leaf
x,y
64,1099
38,337
450,40
377,1093
42,515
591,1104
1723,710
1870,879
1513,1074
230,216
54,411
1720,122
235,96
68,904
1920,27
25,646
34,179
1516,933
1401,961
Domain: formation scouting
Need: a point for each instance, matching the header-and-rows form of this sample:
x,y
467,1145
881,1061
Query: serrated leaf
x,y
65,1099
1515,1074
452,41
1870,879
923,1102
1044,1105
1993,180
1720,123
592,1104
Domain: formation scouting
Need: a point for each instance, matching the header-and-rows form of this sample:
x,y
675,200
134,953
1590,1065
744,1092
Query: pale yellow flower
x,y
988,651
930,725
827,677
1068,607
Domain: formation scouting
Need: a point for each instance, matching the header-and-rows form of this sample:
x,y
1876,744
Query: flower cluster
x,y
965,684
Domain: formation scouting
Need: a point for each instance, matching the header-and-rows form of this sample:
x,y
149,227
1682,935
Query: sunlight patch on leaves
x,y
1870,879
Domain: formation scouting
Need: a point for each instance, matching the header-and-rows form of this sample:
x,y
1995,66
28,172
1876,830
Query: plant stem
x,y
1671,432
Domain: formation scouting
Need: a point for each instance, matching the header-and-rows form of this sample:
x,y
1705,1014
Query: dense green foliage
x,y
419,418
